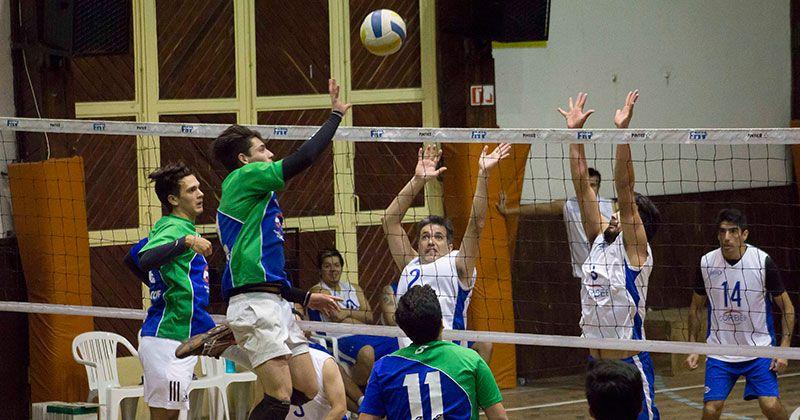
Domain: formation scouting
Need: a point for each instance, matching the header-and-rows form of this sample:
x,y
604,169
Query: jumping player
x,y
617,271
250,225
450,272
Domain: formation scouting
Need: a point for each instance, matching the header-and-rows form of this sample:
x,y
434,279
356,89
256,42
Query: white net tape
x,y
717,136
654,346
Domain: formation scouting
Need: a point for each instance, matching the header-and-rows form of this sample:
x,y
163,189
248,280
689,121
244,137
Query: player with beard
x,y
616,272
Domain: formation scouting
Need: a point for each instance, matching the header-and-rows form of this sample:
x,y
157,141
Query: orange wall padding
x,y
492,301
49,211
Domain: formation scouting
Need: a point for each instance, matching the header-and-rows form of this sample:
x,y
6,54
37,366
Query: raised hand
x,y
336,104
487,162
501,204
575,117
427,160
623,116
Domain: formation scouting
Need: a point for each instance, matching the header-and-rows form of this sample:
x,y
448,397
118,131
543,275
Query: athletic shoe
x,y
211,343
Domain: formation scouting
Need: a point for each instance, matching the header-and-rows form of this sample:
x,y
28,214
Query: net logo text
x,y
698,135
280,131
186,129
12,123
98,127
376,134
584,135
478,135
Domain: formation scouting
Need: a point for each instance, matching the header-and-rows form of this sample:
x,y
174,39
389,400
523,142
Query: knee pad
x,y
270,408
299,398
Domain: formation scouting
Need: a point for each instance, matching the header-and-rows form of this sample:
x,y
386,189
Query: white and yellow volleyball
x,y
383,32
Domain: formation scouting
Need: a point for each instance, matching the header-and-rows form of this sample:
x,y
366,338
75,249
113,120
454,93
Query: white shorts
x,y
264,326
166,378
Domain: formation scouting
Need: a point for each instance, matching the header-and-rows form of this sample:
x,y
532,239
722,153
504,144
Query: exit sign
x,y
481,95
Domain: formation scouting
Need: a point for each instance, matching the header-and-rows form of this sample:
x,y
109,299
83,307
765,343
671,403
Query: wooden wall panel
x,y
551,304
388,165
105,77
196,153
376,267
310,193
292,47
115,286
110,170
196,51
399,70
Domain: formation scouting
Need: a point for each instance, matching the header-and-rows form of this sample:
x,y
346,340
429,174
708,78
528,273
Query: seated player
x,y
330,402
617,271
430,379
450,272
739,282
359,350
614,390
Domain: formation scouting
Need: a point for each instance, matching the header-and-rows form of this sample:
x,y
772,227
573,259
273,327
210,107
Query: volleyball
x,y
383,32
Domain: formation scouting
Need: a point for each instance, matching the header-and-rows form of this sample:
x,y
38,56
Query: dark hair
x,y
167,179
614,390
327,253
734,216
234,140
436,220
595,172
648,212
419,314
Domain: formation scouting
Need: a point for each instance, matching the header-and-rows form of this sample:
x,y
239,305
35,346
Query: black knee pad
x,y
299,398
270,408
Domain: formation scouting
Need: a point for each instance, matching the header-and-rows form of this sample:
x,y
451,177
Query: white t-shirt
x,y
613,293
578,244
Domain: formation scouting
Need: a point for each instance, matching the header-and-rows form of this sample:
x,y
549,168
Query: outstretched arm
x,y
399,244
587,200
633,233
552,208
310,150
468,252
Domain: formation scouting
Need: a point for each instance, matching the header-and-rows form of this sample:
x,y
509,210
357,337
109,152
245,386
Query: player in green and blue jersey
x,y
431,378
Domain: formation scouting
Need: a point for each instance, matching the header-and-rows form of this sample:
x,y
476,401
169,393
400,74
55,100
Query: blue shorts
x,y
722,376
644,364
350,346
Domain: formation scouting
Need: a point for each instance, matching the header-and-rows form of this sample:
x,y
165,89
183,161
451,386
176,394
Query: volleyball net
x,y
77,215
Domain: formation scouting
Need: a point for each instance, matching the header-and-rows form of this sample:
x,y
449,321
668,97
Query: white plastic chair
x,y
216,381
97,351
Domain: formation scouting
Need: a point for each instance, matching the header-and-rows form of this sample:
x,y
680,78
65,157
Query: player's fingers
x,y
562,112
